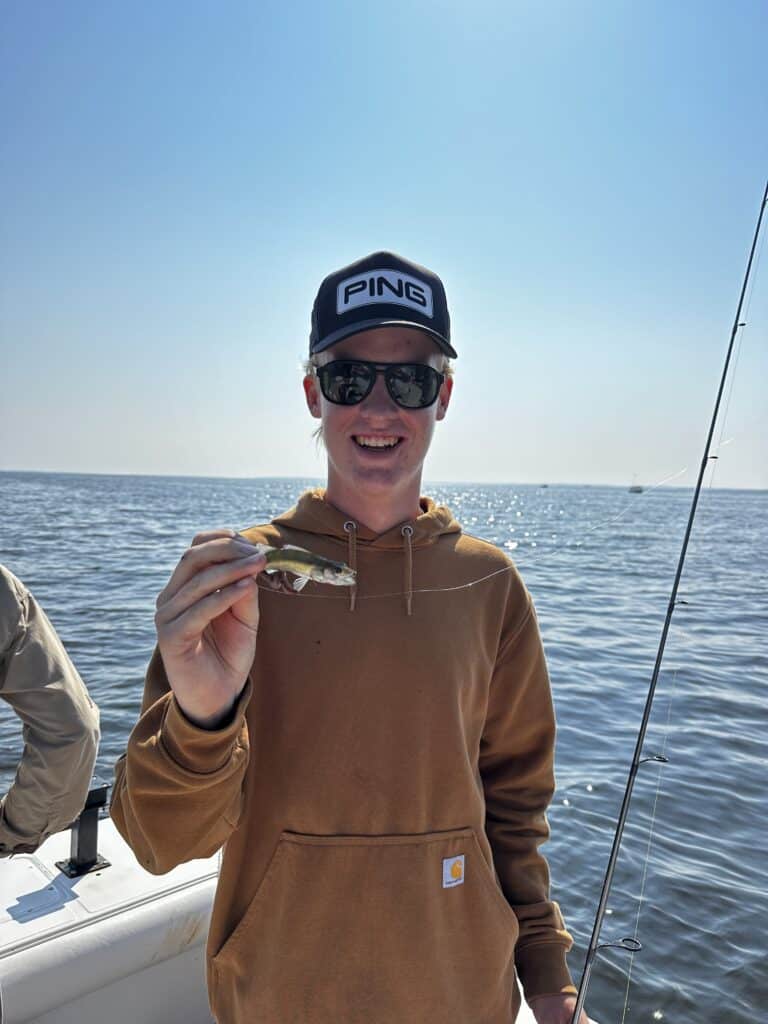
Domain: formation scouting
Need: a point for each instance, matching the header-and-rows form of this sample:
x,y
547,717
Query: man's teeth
x,y
377,442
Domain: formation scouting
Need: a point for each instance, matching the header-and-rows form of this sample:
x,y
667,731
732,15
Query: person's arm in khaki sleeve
x,y
60,723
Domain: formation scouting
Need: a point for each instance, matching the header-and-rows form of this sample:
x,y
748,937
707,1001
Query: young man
x,y
377,763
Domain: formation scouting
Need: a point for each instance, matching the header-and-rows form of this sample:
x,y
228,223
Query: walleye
x,y
306,566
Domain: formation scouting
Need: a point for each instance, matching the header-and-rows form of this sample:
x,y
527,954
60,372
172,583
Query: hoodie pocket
x,y
387,929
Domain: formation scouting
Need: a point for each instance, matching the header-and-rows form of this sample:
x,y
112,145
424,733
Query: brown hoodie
x,y
380,790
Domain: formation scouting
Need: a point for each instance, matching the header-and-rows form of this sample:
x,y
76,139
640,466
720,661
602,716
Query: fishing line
x,y
662,761
633,504
289,592
715,458
397,593
721,444
739,344
627,943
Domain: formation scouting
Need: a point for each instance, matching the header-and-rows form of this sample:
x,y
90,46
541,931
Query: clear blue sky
x,y
178,177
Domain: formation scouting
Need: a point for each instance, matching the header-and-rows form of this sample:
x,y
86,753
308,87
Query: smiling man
x,y
376,765
376,447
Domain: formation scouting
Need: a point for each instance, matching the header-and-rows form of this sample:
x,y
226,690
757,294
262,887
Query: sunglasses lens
x,y
413,386
345,383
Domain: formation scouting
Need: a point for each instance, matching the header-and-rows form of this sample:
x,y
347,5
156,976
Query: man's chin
x,y
375,480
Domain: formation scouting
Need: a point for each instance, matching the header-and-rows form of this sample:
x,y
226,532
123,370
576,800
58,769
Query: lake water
x,y
691,879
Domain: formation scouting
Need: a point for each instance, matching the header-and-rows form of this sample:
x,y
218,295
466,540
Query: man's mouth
x,y
378,442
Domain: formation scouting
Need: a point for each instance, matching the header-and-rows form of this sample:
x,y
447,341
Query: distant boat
x,y
635,488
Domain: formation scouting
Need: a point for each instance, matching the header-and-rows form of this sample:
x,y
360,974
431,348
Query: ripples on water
x,y
96,550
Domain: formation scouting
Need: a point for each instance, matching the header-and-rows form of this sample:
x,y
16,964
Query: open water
x,y
691,881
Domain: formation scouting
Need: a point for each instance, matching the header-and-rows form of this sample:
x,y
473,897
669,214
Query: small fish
x,y
306,566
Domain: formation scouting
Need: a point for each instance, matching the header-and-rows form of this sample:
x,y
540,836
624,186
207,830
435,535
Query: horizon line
x,y
498,483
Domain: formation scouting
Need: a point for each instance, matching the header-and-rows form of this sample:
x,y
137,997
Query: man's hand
x,y
556,1010
207,619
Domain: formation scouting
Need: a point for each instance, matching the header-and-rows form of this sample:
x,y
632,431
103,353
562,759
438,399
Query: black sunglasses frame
x,y
388,369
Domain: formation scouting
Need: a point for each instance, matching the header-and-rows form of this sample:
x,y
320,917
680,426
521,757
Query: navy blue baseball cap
x,y
380,290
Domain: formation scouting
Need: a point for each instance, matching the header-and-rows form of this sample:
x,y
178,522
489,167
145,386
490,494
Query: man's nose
x,y
379,400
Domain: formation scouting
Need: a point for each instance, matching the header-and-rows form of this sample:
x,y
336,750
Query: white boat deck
x,y
118,945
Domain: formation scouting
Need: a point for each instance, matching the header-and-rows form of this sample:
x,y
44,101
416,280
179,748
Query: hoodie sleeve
x,y
60,723
517,768
178,788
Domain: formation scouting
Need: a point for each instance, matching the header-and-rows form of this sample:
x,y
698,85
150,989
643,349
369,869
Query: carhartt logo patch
x,y
453,871
390,286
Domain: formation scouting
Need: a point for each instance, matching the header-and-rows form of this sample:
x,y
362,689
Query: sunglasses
x,y
410,385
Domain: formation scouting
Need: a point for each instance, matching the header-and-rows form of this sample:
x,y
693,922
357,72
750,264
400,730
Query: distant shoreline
x,y
647,488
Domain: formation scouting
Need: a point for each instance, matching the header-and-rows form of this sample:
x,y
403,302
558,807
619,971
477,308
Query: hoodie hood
x,y
314,514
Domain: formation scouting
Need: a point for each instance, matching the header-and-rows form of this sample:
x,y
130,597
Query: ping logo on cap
x,y
390,286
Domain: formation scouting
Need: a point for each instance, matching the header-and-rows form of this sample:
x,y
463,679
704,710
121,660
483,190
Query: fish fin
x,y
294,547
300,582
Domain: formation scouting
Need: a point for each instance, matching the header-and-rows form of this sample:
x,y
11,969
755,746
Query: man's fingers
x,y
211,551
206,535
191,623
204,582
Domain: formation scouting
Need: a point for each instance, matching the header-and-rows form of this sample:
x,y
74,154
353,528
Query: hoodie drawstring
x,y
351,527
407,532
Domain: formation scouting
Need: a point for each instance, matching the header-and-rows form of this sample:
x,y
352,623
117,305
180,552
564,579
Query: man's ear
x,y
444,398
312,395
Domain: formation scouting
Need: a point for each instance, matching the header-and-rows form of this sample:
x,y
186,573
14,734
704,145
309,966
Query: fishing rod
x,y
632,945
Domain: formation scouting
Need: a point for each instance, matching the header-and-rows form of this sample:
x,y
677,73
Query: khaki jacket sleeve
x,y
178,789
60,723
517,769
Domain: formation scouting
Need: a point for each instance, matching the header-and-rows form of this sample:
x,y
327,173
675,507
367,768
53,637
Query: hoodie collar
x,y
312,513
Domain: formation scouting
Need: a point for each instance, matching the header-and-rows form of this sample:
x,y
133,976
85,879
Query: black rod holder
x,y
83,848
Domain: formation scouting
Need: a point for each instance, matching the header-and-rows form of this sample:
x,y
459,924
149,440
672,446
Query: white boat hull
x,y
118,945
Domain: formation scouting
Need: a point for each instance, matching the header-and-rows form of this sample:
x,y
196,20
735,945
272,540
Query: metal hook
x,y
627,945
